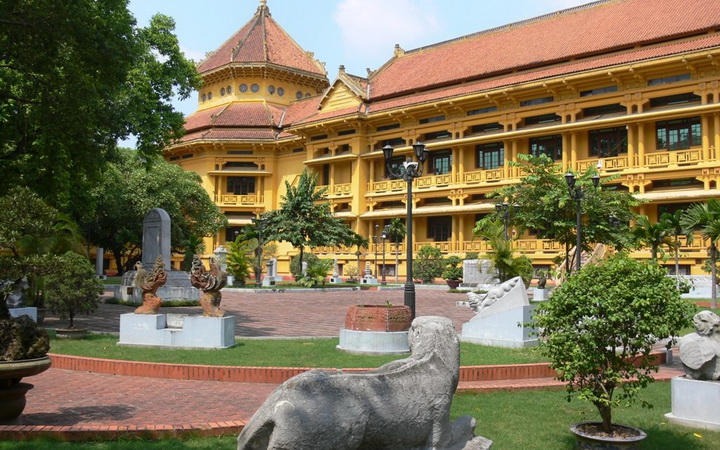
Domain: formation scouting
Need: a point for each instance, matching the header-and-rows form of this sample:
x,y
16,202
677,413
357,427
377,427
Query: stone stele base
x,y
695,403
196,332
374,342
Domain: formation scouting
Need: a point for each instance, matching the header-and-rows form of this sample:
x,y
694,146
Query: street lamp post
x,y
409,171
384,236
504,208
375,241
577,193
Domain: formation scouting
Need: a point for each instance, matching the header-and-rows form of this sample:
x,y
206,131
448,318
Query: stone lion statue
x,y
700,351
404,404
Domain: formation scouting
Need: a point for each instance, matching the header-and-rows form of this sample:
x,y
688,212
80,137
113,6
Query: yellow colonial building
x,y
631,87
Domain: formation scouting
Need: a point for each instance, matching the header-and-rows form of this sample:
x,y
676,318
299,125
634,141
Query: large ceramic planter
x,y
453,284
588,440
12,391
378,318
71,333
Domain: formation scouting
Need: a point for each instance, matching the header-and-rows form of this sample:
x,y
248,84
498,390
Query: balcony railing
x,y
610,164
483,176
674,158
433,181
238,200
336,190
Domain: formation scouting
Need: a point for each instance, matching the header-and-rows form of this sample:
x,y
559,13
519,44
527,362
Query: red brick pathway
x,y
80,405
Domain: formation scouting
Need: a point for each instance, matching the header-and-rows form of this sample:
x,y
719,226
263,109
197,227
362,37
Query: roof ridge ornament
x,y
263,7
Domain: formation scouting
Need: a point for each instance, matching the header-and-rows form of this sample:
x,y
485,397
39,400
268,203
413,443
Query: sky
x,y
358,34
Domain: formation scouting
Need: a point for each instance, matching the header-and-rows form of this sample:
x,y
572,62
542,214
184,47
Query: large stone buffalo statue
x,y
404,404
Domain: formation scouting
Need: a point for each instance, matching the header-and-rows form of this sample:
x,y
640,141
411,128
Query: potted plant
x,y
71,289
23,353
238,262
352,274
453,272
598,329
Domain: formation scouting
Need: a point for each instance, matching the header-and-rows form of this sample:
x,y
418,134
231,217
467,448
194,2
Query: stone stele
x,y
699,351
404,404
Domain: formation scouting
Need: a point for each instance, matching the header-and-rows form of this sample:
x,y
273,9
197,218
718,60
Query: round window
x,y
229,90
243,87
281,91
209,95
271,89
254,87
299,95
222,91
204,97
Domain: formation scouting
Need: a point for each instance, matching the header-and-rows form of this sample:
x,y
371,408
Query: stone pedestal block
x,y
695,403
374,342
504,329
196,331
541,294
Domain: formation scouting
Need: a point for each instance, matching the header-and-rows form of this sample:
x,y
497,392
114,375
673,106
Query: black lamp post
x,y
577,193
504,208
409,171
384,236
375,241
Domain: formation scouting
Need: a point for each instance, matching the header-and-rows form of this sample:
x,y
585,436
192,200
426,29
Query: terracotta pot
x,y
587,440
378,318
12,391
71,333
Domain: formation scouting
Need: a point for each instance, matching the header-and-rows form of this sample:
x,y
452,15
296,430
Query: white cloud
x,y
373,27
192,54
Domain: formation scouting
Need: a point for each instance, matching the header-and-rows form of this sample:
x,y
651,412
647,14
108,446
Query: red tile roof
x,y
262,40
234,114
591,29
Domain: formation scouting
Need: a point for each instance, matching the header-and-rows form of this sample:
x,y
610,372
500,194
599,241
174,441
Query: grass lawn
x,y
528,420
276,353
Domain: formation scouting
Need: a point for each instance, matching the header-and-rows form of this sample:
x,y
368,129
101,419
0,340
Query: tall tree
x,y
672,221
75,77
543,205
397,232
304,218
130,188
705,217
653,235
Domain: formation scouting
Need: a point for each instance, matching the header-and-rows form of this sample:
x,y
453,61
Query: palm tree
x,y
397,232
672,221
705,217
653,235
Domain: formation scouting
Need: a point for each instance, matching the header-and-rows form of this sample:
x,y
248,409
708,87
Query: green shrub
x,y
429,264
453,269
72,287
296,268
599,319
316,272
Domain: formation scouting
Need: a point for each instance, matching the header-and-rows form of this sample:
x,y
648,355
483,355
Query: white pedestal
x,y
540,294
504,329
695,403
374,342
196,331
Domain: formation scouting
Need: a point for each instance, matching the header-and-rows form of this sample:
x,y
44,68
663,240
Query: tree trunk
x,y
653,252
72,316
677,263
118,261
606,415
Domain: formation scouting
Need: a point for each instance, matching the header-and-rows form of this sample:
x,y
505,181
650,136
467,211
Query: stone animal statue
x,y
210,282
700,351
149,283
404,404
